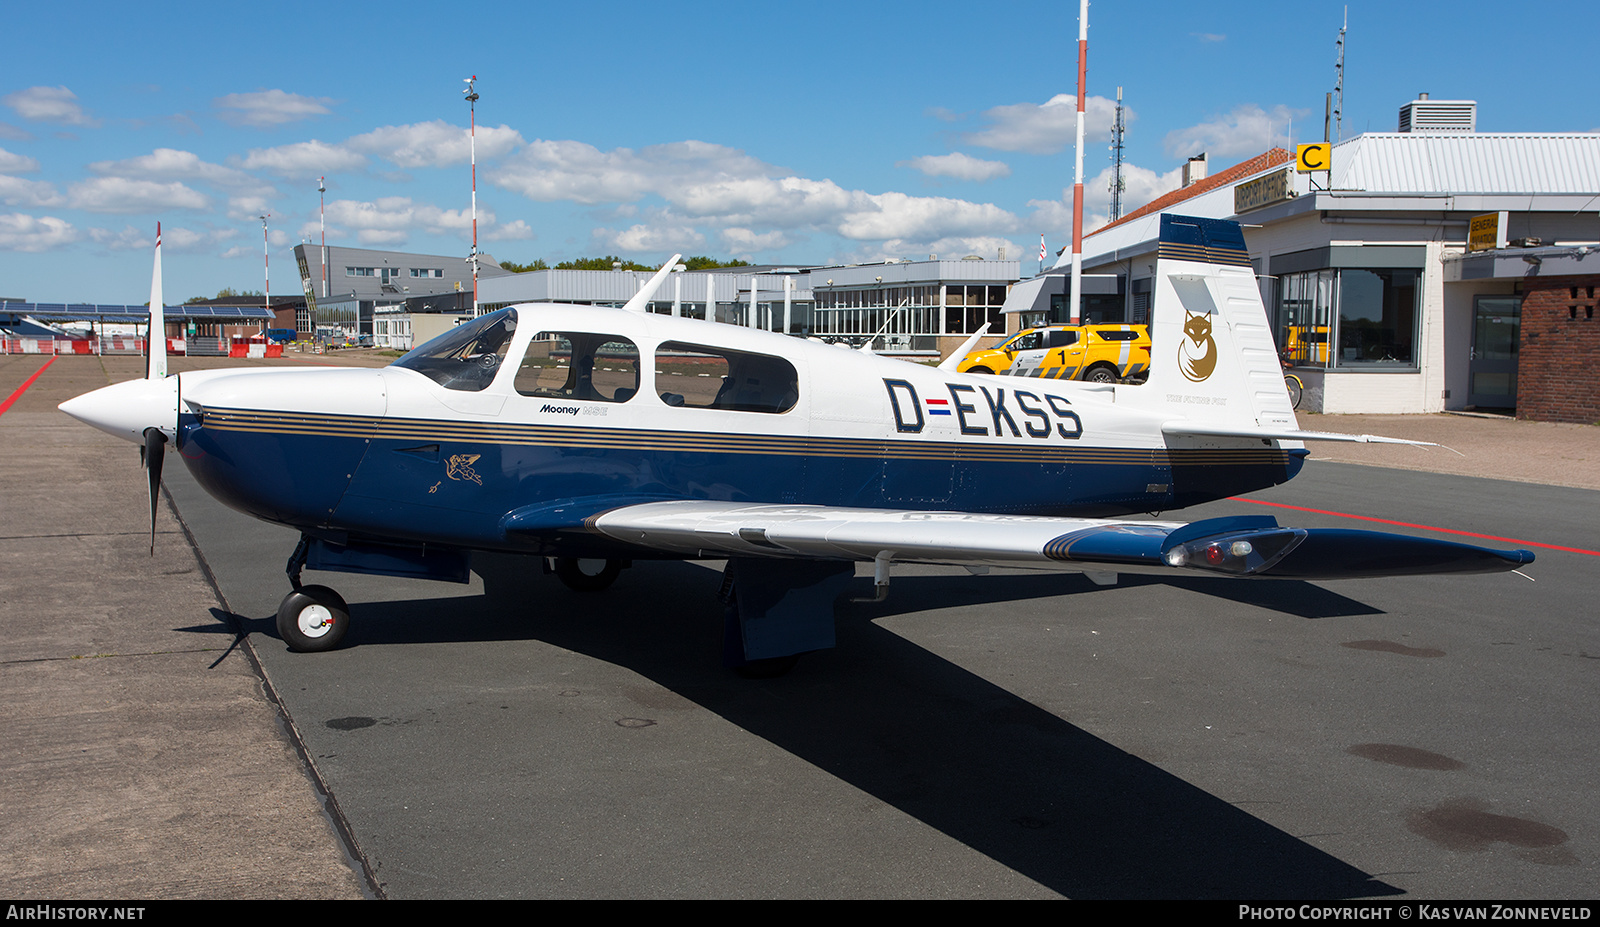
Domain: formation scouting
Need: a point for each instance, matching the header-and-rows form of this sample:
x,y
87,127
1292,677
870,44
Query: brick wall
x,y
1558,367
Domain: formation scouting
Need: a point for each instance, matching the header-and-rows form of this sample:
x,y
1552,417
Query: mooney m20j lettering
x,y
593,437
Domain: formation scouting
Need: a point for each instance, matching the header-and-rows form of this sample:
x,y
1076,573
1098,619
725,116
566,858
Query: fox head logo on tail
x,y
1197,355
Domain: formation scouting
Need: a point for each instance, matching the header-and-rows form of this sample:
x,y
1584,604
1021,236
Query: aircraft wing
x,y
1238,546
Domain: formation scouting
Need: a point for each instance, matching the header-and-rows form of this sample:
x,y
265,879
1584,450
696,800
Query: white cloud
x,y
269,107
744,241
188,241
184,240
15,163
516,230
567,170
785,202
1209,36
434,144
129,239
14,191
49,104
119,194
896,215
1246,131
1140,187
704,184
173,164
391,219
651,238
958,165
244,208
7,130
19,232
1045,128
304,159
949,248
381,236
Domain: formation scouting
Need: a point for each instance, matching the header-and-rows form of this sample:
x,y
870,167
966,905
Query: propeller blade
x,y
154,453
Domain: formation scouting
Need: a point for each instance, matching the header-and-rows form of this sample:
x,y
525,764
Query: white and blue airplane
x,y
593,437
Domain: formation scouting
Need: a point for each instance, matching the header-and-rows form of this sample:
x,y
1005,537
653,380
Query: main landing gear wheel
x,y
313,619
1101,374
587,575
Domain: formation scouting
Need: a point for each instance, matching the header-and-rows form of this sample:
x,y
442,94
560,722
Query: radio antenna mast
x,y
1118,129
1338,81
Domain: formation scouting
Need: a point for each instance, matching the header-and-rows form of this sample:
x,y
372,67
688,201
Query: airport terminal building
x,y
1368,278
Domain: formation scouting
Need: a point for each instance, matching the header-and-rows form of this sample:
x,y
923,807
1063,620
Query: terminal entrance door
x,y
1496,331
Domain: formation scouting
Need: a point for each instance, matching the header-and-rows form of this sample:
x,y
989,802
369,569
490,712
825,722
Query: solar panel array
x,y
90,312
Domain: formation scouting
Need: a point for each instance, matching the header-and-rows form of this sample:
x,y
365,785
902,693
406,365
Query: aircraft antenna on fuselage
x,y
641,299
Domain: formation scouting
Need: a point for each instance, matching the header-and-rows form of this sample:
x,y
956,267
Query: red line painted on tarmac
x,y
24,387
1407,524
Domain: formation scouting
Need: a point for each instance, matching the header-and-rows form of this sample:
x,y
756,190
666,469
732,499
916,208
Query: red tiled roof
x,y
1268,159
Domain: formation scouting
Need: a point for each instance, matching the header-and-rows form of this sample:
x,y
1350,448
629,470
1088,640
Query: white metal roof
x,y
1491,163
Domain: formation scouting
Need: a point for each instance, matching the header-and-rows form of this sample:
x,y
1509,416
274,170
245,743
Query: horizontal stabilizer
x,y
1201,429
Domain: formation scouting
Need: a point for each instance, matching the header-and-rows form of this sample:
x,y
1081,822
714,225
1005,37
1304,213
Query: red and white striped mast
x,y
472,101
1077,177
322,222
266,270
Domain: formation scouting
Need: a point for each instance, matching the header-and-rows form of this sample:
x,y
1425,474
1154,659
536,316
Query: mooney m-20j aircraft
x,y
592,437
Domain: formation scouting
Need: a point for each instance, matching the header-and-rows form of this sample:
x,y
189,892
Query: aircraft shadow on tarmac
x,y
939,743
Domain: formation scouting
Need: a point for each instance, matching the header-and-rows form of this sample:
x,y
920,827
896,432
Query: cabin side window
x,y
703,377
579,365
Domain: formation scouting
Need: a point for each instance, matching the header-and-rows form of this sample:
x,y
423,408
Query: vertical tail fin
x,y
1212,354
158,320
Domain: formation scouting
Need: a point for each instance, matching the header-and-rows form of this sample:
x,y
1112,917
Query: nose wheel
x,y
313,619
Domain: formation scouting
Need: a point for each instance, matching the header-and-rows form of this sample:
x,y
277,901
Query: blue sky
x,y
772,132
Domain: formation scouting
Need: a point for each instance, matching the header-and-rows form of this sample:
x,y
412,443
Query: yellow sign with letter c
x,y
1314,157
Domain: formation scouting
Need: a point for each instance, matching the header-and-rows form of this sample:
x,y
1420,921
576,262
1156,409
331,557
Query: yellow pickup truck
x,y
1096,353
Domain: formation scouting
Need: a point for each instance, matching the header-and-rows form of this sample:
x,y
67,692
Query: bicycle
x,y
1295,387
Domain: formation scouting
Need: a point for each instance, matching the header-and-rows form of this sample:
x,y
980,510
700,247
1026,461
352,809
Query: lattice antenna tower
x,y
1118,185
1338,81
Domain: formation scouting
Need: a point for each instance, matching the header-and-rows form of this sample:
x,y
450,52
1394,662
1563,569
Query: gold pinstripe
x,y
1172,250
573,436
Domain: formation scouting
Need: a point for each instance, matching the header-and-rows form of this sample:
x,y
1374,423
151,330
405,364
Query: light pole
x,y
472,102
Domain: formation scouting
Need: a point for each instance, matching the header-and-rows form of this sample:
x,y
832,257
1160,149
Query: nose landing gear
x,y
311,619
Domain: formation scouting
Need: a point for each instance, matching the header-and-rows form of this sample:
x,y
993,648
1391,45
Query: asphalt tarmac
x,y
1004,736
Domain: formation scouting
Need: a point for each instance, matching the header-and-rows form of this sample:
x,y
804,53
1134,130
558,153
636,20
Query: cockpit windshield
x,y
468,356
